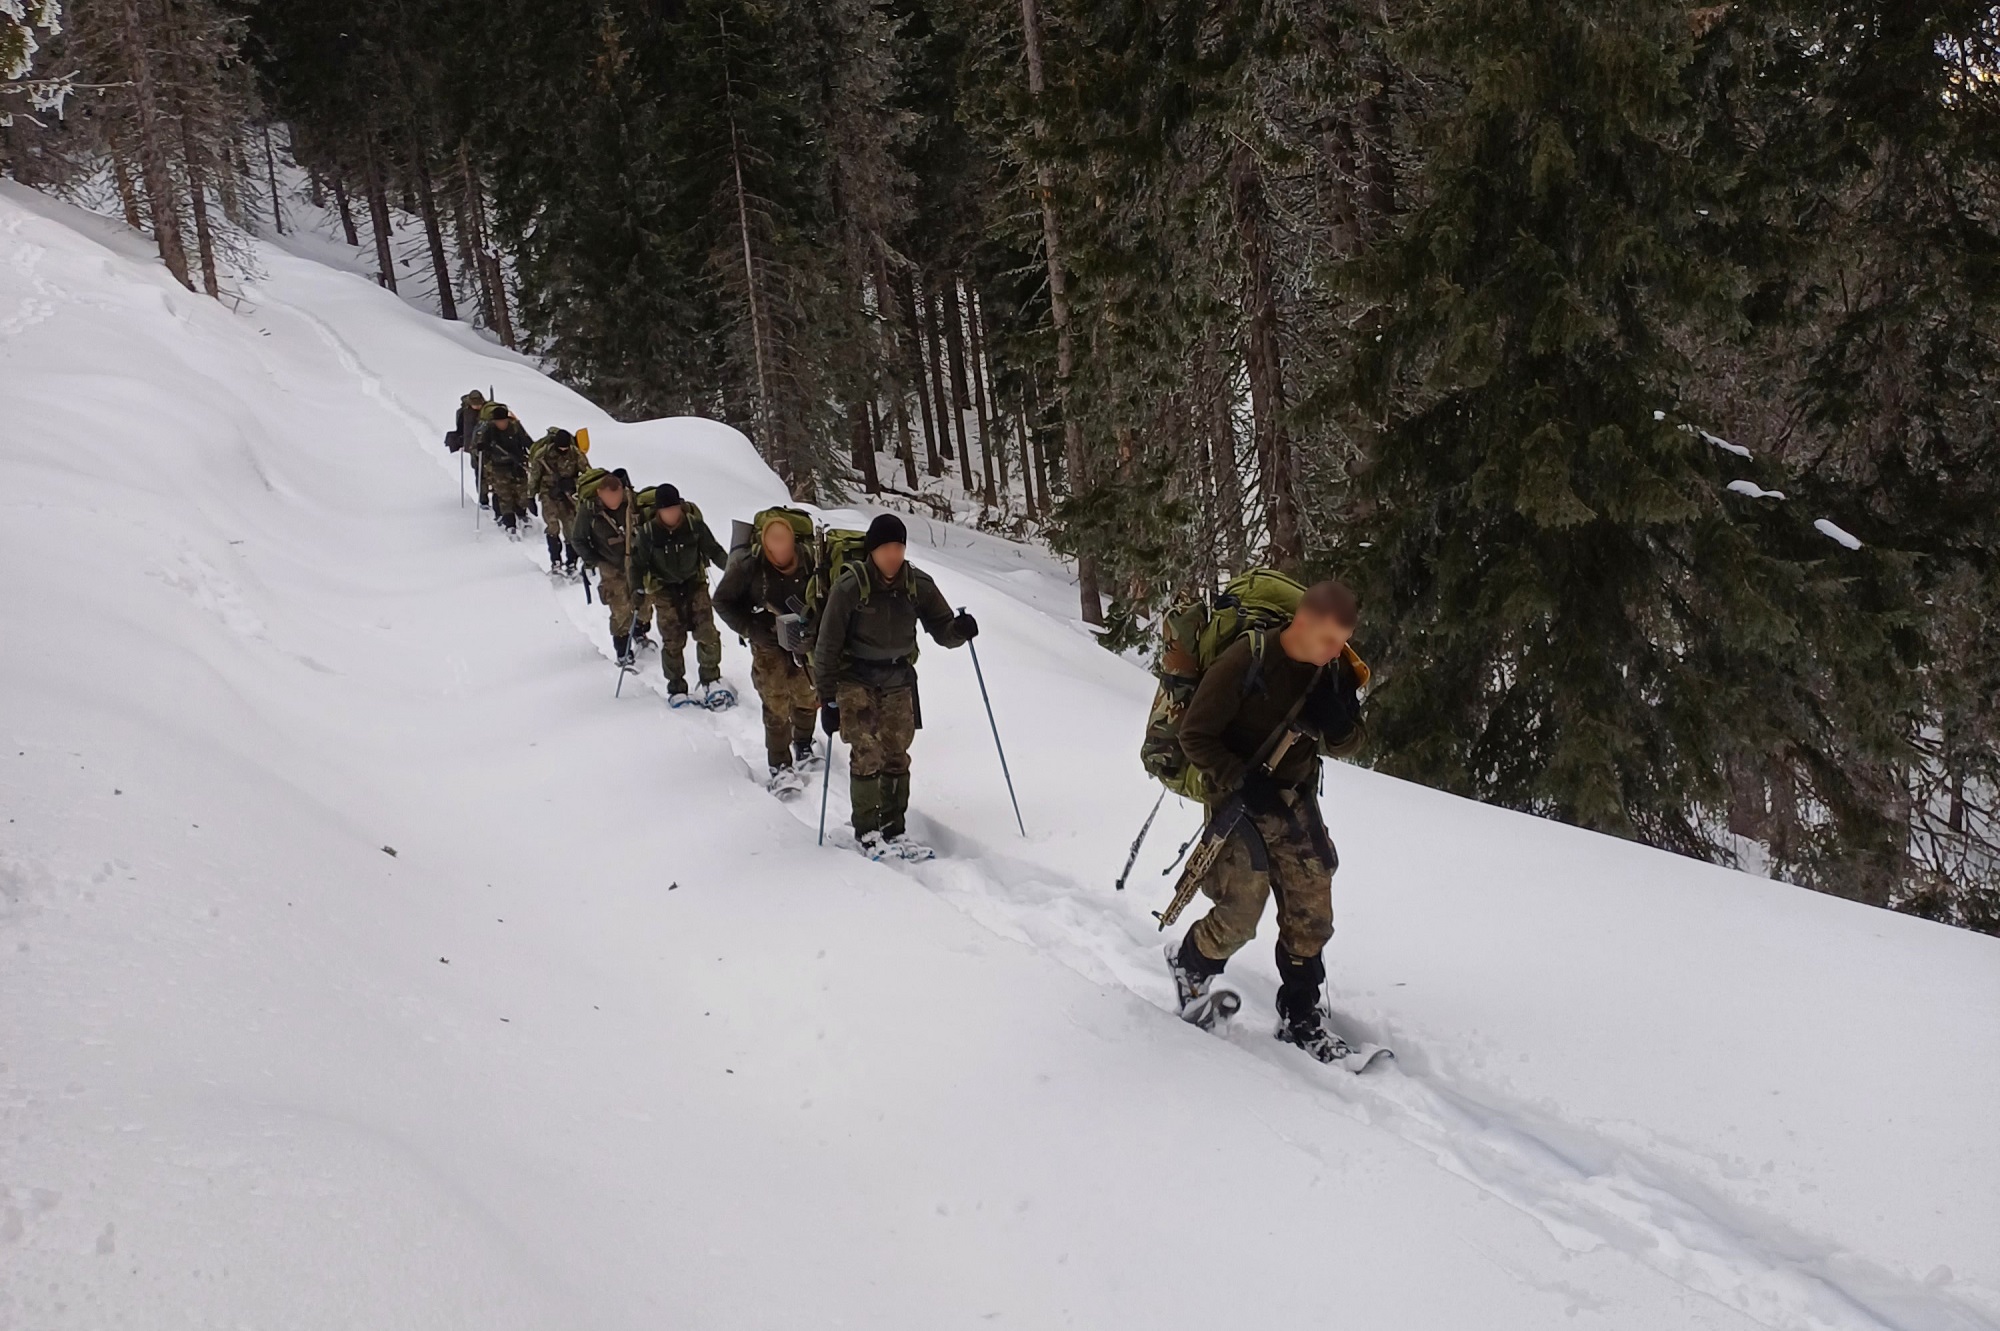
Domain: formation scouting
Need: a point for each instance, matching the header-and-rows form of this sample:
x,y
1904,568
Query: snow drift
x,y
366,964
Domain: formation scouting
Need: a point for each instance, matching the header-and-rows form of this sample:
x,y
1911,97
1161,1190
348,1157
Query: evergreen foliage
x,y
1570,329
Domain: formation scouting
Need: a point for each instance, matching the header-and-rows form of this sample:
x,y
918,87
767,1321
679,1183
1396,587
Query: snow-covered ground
x,y
364,963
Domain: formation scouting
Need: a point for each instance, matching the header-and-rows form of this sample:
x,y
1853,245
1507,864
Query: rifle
x,y
1215,836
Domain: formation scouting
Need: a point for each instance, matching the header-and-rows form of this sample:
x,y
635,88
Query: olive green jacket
x,y
867,629
670,556
752,594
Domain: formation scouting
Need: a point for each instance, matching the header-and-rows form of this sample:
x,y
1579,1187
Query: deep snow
x,y
608,1041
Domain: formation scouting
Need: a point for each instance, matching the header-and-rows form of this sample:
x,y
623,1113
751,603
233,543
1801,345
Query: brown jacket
x,y
1241,701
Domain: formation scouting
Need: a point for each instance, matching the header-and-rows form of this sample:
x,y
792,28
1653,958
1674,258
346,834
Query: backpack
x,y
1193,635
590,479
839,549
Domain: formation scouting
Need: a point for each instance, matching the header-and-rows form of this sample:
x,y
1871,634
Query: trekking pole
x,y
461,478
996,732
1140,840
825,784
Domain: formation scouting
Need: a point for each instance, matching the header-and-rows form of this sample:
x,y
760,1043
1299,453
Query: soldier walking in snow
x,y
1301,680
553,466
864,666
502,448
670,558
762,597
602,535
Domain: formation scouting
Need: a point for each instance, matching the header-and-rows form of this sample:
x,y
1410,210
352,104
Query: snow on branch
x,y
1825,527
1754,490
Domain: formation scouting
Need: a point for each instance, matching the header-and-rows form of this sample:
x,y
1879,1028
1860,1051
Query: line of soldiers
x,y
831,620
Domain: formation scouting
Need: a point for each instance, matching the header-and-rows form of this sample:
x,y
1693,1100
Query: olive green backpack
x,y
1193,636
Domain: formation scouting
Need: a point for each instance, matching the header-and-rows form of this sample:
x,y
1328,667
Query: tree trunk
x,y
895,361
472,236
155,175
347,230
1225,478
1086,565
961,398
503,318
271,173
990,457
864,446
128,198
378,213
933,464
937,383
1276,467
433,230
204,240
1029,502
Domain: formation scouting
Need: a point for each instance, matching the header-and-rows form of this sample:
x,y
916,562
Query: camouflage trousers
x,y
614,589
879,726
1300,877
484,477
558,512
684,611
790,706
510,492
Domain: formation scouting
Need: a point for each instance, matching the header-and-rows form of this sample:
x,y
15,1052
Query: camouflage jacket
x,y
506,448
554,465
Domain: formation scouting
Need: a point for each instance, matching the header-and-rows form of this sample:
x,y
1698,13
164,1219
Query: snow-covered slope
x,y
365,963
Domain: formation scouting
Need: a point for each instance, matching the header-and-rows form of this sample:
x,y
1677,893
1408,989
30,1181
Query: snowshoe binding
x,y
1205,1000
786,782
678,696
899,847
1310,1034
805,757
717,695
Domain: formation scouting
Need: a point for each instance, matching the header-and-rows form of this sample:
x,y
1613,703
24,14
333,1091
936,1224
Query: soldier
x,y
466,427
864,666
670,557
602,535
762,597
502,447
553,466
1302,677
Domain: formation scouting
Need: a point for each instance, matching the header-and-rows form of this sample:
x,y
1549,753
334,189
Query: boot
x,y
867,795
622,645
555,554
1300,1021
804,756
1205,1001
895,803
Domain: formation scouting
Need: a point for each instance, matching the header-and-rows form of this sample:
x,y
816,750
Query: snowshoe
x,y
786,782
804,756
1205,1001
911,851
642,639
1310,1034
717,695
678,696
626,660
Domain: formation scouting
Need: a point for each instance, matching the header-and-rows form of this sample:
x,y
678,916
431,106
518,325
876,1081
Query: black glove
x,y
966,625
1335,703
829,717
1261,793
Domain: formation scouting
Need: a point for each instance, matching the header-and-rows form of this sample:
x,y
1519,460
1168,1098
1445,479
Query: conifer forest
x,y
1637,361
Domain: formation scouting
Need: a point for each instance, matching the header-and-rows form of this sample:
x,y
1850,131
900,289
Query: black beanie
x,y
498,411
888,529
665,496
